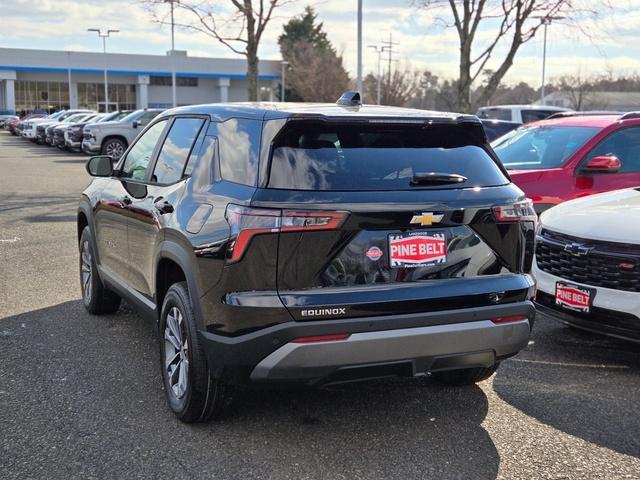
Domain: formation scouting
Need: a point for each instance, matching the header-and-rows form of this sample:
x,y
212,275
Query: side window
x,y
496,113
176,149
193,157
146,118
535,115
137,160
624,144
239,145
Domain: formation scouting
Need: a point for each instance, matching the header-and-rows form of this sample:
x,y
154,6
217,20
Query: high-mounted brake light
x,y
518,212
247,222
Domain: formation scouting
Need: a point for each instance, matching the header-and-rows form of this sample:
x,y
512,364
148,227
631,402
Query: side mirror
x,y
100,166
603,164
136,124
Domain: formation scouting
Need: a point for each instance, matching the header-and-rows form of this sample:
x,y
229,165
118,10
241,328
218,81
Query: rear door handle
x,y
125,202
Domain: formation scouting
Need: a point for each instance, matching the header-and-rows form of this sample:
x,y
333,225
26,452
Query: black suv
x,y
313,244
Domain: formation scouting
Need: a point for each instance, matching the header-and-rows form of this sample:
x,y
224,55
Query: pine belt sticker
x,y
573,297
417,250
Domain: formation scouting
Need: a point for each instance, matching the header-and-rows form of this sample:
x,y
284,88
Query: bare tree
x,y
239,27
580,91
398,88
517,22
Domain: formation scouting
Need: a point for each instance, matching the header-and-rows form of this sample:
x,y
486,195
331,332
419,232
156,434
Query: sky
x,y
423,38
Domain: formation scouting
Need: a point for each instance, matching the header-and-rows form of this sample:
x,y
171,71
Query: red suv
x,y
572,155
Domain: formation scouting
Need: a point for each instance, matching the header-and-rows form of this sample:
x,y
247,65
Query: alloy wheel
x,y
86,271
114,150
176,352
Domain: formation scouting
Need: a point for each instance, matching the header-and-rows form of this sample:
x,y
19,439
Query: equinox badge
x,y
427,218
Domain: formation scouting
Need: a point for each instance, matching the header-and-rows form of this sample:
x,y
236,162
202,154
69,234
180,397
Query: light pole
x,y
284,64
173,67
359,79
379,50
546,21
104,36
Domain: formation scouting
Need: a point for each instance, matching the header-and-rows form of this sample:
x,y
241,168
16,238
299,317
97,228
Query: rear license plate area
x,y
417,249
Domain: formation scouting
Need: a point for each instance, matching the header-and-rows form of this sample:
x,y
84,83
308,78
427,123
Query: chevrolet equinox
x,y
310,244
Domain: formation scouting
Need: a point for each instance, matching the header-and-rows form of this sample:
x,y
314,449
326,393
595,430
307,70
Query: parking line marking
x,y
563,364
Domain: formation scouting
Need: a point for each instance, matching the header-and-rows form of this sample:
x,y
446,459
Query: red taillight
x,y
518,212
322,338
247,222
509,319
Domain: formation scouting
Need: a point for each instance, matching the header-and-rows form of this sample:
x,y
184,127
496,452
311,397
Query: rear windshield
x,y
329,156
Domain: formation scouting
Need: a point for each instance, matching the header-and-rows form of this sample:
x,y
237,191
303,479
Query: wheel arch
x,y
170,257
84,218
117,136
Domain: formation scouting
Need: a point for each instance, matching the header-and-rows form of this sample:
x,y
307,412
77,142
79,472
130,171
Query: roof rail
x,y
630,115
583,114
350,99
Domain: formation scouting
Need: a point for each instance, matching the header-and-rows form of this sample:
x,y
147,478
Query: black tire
x,y
97,299
465,376
200,398
114,147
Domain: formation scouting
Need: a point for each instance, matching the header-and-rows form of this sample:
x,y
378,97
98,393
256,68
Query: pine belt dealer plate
x,y
574,297
417,249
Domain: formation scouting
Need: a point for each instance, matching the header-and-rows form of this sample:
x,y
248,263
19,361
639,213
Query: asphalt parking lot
x,y
81,396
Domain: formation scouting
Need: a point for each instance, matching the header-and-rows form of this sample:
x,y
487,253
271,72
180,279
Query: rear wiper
x,y
436,178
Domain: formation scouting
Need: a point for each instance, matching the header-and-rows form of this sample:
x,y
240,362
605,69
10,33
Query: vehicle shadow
x,y
583,384
91,387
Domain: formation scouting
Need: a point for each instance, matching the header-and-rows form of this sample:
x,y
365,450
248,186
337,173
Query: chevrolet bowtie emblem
x,y
427,218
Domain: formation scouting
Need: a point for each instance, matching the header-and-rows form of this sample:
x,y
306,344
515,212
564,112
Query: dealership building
x,y
53,80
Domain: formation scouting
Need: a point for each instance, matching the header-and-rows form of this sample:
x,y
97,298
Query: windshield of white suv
x,y
541,147
132,116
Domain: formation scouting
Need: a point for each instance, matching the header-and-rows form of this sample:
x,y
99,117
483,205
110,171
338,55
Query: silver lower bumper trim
x,y
423,346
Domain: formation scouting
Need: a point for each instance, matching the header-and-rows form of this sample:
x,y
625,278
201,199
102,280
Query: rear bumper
x,y
377,346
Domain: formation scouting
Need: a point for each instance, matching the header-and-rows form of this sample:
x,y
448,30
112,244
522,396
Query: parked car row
x,y
84,130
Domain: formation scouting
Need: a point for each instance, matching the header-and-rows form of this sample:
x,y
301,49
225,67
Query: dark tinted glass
x,y
495,130
495,113
310,156
624,144
535,115
239,144
176,149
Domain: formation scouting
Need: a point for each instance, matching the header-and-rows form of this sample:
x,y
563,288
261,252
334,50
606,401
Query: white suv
x,y
519,113
587,263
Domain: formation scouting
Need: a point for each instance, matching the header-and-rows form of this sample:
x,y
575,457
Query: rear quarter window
x,y
238,146
317,156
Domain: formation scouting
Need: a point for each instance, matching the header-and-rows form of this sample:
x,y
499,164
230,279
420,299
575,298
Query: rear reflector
x,y
322,338
510,318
